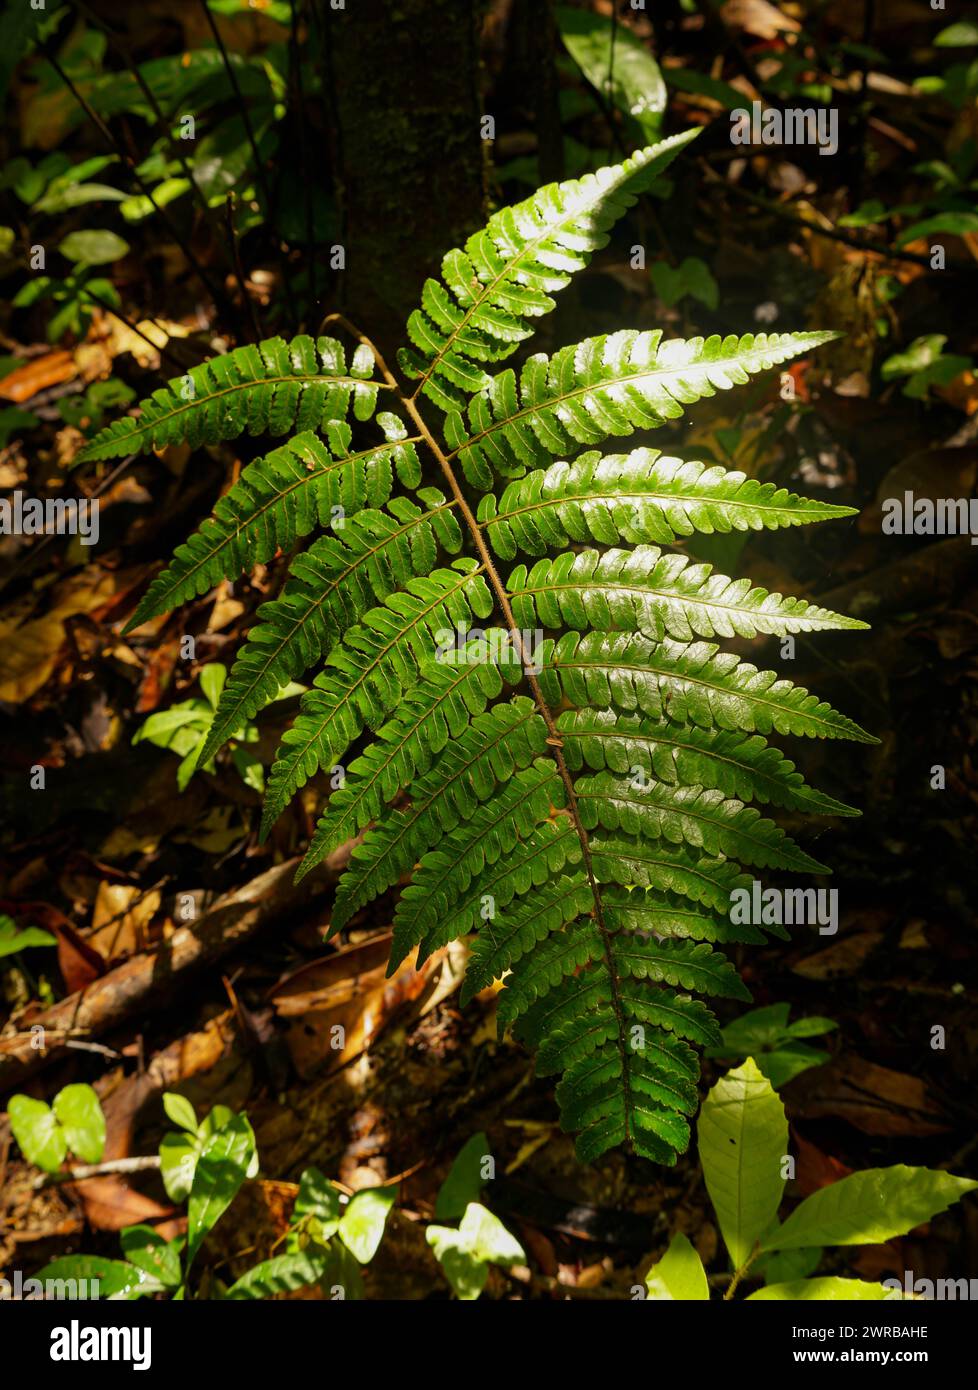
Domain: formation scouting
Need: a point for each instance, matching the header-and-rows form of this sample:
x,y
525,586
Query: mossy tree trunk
x,y
410,161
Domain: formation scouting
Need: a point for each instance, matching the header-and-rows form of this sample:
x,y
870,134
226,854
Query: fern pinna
x,y
579,800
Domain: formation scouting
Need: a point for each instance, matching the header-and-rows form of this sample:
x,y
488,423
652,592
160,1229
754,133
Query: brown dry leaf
x,y
226,608
759,18
29,650
347,991
28,381
873,1099
110,1204
121,338
121,918
841,958
931,473
962,392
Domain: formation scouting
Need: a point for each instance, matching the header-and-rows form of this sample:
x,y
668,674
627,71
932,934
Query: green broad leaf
x,y
317,1206
465,1179
36,1129
922,352
869,1208
743,1139
79,1111
466,1273
147,1250
787,1266
212,680
679,1274
693,277
14,938
784,1063
824,1290
221,1169
466,1254
178,1159
249,767
281,1274
951,223
488,1238
361,1226
341,1278
93,248
962,34
618,64
698,84
116,1278
180,1111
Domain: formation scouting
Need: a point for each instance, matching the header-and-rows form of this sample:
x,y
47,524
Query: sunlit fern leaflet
x,y
582,808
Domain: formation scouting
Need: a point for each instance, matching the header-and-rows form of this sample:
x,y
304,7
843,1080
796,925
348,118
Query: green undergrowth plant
x,y
743,1147
204,1163
524,650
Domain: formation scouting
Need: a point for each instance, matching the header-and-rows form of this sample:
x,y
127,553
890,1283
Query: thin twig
x,y
249,129
239,274
97,1170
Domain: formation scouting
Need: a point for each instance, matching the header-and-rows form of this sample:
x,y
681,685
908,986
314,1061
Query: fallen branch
x,y
146,979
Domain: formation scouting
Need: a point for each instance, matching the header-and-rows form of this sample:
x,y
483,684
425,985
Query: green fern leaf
x,y
330,588
644,589
445,875
438,708
602,387
687,684
739,765
702,819
509,270
490,750
269,388
375,666
636,497
277,500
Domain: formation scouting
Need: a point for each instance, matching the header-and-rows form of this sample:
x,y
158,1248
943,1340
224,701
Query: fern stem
x,y
554,741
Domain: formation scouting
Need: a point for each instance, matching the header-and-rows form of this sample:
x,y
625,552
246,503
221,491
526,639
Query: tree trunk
x,y
410,161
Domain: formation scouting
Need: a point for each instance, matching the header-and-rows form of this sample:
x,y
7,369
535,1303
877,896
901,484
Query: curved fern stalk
x,y
330,588
268,388
376,665
277,500
605,386
636,497
509,270
644,589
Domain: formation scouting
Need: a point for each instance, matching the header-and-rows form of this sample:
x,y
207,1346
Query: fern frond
x,y
267,388
371,671
605,386
509,270
515,931
739,765
330,588
495,744
694,683
636,497
509,846
645,589
662,913
278,499
703,819
438,708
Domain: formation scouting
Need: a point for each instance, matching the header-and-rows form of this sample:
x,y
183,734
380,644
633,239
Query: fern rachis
x,y
584,812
